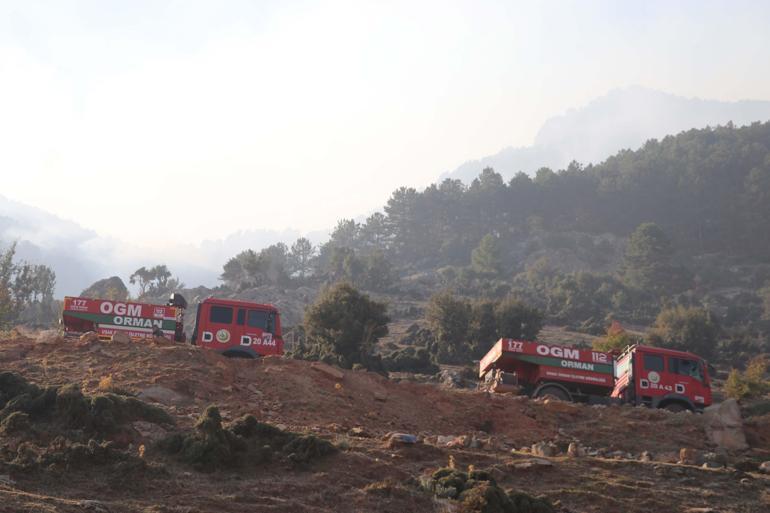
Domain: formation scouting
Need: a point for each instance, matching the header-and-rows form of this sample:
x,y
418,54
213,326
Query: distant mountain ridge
x,y
622,119
80,256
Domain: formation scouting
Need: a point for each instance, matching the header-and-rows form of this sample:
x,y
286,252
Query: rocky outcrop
x,y
724,426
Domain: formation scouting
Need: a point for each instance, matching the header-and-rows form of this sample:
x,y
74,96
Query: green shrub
x,y
751,382
410,359
212,446
67,408
477,492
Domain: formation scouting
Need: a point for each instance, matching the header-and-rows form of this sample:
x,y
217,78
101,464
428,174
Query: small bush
x,y
246,440
67,408
750,383
410,359
477,492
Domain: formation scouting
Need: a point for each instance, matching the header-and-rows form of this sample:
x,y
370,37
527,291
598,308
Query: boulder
x,y
328,370
559,406
575,451
162,341
121,337
544,449
688,456
765,467
451,378
400,439
724,426
88,337
530,464
162,395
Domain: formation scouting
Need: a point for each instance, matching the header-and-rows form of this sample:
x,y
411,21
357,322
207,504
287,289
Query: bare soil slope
x,y
356,411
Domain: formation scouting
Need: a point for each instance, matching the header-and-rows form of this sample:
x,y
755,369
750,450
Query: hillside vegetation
x,y
673,229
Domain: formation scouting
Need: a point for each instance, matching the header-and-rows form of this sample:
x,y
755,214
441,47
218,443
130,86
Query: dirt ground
x,y
357,412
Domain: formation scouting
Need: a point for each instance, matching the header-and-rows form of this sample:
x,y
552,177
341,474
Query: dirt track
x,y
367,475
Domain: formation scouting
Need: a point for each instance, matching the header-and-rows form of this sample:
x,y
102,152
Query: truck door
x,y
689,379
260,331
217,326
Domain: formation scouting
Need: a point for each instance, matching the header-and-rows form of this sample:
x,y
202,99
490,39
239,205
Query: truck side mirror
x,y
176,299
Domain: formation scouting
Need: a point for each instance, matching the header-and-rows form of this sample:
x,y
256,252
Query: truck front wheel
x,y
675,407
554,392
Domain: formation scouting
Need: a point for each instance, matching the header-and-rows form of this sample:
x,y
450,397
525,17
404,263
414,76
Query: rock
x,y
645,456
121,337
162,395
711,464
148,431
765,467
558,406
718,459
359,432
459,441
451,378
544,449
396,439
724,426
688,456
380,396
88,337
96,506
162,341
575,451
530,464
328,370
443,441
6,480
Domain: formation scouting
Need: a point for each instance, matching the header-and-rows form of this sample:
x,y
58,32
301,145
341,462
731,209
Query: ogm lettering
x,y
121,309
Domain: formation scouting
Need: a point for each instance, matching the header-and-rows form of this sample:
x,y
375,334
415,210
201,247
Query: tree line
x,y
26,291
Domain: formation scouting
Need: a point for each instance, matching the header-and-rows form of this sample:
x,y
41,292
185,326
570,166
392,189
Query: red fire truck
x,y
641,375
234,328
238,328
138,320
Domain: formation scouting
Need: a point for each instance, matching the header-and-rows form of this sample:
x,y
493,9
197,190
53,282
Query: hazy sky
x,y
167,122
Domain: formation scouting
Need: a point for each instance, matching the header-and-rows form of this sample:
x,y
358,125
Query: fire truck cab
x,y
238,328
662,378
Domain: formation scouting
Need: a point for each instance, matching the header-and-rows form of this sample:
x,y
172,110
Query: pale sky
x,y
171,122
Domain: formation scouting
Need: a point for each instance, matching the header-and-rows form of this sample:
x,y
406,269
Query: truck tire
x,y
675,407
554,392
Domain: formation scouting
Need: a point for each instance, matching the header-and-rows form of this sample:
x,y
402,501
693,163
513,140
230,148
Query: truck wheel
x,y
553,393
675,407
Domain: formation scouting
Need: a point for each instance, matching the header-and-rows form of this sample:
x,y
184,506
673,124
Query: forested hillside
x,y
707,189
682,221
